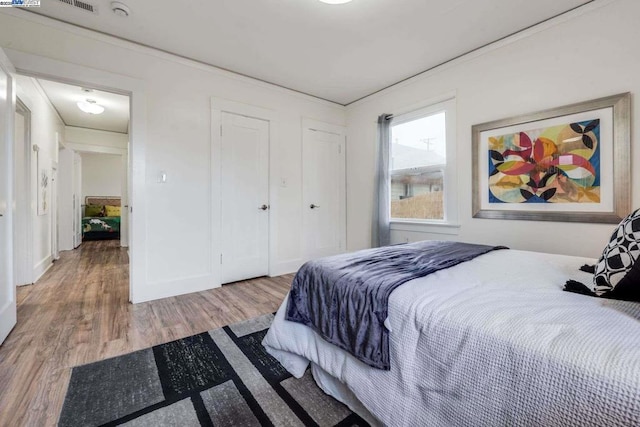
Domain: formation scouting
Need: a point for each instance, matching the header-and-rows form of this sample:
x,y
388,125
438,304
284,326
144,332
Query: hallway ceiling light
x,y
90,106
335,1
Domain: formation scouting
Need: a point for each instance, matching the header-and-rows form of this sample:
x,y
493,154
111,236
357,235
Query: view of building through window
x,y
418,161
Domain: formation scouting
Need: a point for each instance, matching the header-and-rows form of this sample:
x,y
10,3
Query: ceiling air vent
x,y
81,5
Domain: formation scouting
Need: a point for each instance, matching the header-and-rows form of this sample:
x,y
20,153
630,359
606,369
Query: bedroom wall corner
x,y
551,65
177,254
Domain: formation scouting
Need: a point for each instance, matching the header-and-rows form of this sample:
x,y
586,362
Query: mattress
x,y
493,341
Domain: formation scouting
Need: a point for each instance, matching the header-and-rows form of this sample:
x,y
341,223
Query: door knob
x,y
264,207
312,206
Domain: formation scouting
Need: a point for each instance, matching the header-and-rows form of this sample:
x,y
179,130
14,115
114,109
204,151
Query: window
x,y
421,165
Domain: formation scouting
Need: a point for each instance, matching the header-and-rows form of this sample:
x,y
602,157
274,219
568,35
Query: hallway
x,y
79,313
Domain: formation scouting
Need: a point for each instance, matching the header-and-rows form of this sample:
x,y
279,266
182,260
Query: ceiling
x,y
64,98
336,52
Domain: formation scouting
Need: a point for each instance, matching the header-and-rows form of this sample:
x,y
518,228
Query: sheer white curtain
x,y
381,233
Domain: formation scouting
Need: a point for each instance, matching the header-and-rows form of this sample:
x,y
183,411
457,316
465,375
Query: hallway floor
x,y
78,313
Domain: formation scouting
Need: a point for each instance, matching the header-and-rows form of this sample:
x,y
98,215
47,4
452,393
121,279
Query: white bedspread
x,y
493,341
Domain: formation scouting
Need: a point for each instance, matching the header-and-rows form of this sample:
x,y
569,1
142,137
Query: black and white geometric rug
x,y
222,377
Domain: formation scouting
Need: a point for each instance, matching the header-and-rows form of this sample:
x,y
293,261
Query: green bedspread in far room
x,y
109,224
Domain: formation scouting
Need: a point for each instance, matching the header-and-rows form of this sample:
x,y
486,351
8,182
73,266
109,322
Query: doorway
x,y
68,121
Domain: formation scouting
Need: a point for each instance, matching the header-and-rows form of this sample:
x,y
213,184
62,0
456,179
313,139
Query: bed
x,y
101,218
491,341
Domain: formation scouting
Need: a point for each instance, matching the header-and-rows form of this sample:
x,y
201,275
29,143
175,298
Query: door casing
x,y
23,225
78,75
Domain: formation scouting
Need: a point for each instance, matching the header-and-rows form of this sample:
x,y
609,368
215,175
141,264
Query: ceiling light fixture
x,y
120,9
90,106
335,1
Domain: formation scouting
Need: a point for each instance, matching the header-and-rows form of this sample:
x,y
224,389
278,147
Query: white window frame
x,y
450,224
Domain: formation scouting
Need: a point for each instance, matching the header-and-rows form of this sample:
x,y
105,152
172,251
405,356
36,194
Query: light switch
x,y
162,177
283,182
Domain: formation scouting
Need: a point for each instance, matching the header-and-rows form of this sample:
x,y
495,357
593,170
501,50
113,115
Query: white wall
x,y
45,122
179,233
101,175
65,199
21,222
87,139
592,55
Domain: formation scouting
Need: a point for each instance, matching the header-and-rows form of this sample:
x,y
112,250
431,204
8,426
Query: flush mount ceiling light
x,y
335,1
120,9
90,106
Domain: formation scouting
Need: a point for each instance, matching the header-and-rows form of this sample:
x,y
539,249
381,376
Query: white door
x,y
324,192
245,197
7,122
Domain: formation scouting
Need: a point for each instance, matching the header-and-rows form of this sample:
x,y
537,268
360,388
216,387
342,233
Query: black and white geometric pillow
x,y
617,273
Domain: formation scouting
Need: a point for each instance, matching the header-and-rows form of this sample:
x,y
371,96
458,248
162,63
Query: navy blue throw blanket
x,y
345,298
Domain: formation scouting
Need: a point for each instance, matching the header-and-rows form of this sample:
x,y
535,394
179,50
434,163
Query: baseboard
x,y
41,268
159,290
285,267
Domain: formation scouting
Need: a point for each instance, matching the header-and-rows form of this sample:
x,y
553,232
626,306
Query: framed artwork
x,y
565,164
44,180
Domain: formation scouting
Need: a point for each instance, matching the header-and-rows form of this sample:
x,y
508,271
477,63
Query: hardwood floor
x,y
79,313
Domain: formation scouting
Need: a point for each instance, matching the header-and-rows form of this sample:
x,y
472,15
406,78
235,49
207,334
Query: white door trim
x,y
97,149
218,106
64,72
308,123
24,260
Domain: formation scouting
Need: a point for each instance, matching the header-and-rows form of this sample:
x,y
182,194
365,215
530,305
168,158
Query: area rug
x,y
222,377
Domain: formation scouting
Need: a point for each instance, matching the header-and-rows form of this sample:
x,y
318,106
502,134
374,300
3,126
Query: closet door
x,y
245,197
324,192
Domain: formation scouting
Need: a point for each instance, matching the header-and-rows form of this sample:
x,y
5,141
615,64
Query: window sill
x,y
425,227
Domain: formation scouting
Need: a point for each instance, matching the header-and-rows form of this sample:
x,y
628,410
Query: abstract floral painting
x,y
570,163
557,164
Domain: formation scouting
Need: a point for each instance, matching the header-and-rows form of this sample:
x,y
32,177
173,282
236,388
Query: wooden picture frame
x,y
568,164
